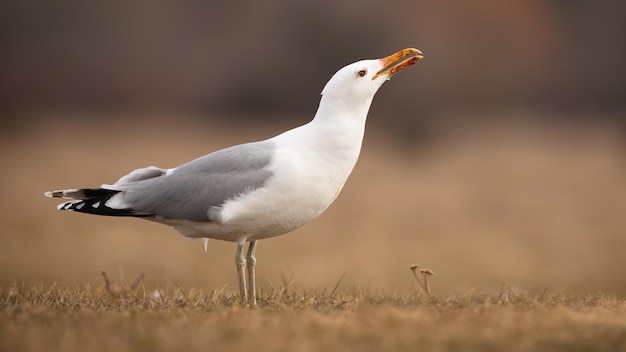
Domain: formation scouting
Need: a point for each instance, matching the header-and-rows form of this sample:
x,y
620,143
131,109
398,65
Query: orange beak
x,y
398,61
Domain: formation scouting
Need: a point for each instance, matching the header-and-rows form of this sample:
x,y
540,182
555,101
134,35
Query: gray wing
x,y
192,189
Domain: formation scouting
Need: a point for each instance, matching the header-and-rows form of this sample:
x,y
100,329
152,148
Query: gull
x,y
249,192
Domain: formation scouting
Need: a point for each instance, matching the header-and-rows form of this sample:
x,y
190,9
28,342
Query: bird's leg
x,y
240,262
251,263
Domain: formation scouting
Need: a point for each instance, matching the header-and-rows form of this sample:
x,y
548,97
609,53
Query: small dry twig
x,y
116,289
107,283
137,282
334,291
426,274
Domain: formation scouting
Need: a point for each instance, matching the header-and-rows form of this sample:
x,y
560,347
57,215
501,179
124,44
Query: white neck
x,y
330,106
340,125
336,131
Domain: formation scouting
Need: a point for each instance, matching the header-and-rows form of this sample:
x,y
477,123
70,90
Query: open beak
x,y
398,61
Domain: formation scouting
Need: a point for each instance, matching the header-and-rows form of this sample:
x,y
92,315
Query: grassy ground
x,y
523,225
80,317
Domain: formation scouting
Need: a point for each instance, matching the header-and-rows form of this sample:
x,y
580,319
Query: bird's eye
x,y
361,73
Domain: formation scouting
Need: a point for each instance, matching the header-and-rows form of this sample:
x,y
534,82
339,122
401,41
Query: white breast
x,y
309,173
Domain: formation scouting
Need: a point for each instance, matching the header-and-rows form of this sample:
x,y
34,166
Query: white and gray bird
x,y
257,190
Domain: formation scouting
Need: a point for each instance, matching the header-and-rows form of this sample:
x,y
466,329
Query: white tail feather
x,y
65,193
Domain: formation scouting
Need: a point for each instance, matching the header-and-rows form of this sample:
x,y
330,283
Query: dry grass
x,y
81,317
536,207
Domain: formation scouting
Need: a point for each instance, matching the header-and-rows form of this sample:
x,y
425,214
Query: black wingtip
x,y
97,206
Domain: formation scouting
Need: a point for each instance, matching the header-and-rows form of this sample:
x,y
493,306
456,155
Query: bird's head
x,y
358,82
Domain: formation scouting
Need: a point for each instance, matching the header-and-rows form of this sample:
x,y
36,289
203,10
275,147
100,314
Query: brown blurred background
x,y
499,158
